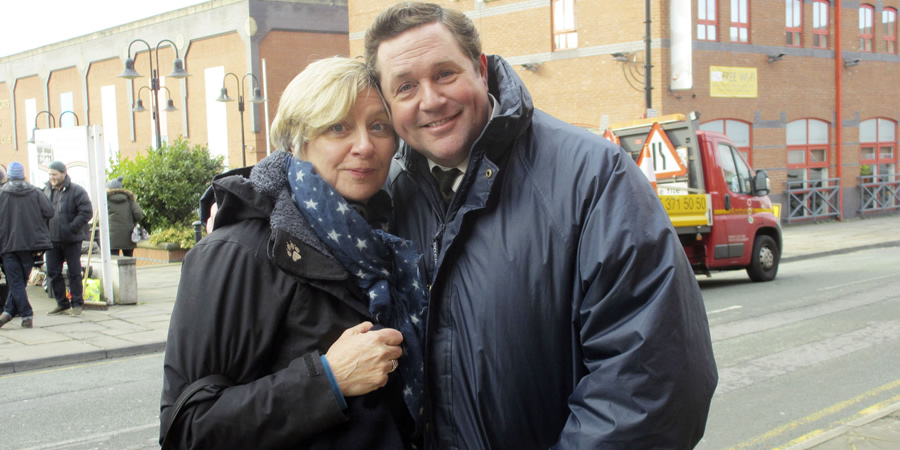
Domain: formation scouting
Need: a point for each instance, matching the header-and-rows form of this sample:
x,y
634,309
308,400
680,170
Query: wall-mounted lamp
x,y
620,57
49,123
531,67
776,57
851,62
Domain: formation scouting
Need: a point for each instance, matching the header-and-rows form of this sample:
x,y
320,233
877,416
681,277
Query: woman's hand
x,y
362,358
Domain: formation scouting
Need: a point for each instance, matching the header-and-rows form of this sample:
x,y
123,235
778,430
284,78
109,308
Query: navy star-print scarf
x,y
383,265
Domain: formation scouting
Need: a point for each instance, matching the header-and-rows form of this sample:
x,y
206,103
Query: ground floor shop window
x,y
810,189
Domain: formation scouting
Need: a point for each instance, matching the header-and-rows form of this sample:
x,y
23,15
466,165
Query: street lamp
x,y
177,72
257,98
68,112
49,123
139,104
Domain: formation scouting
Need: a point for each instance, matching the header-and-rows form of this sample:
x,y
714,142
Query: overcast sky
x,y
30,24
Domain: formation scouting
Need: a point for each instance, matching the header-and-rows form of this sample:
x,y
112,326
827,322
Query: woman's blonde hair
x,y
320,96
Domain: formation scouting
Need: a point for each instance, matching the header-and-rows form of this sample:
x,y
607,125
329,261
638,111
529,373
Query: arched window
x,y
820,24
736,130
889,30
740,21
866,30
707,20
878,148
793,23
807,151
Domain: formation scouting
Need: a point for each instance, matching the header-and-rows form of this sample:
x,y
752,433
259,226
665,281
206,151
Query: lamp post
x,y
49,123
130,74
139,104
256,98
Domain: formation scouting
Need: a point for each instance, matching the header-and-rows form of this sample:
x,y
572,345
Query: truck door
x,y
737,216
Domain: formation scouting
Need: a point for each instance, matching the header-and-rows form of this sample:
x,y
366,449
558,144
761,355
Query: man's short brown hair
x,y
405,16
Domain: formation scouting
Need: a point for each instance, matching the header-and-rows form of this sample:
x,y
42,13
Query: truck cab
x,y
718,204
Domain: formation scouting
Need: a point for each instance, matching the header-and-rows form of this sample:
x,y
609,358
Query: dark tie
x,y
445,179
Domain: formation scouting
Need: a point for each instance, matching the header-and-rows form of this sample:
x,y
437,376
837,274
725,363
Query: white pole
x,y
97,167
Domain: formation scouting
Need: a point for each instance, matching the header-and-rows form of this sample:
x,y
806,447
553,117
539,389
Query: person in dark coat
x,y
298,298
73,211
564,312
124,214
24,212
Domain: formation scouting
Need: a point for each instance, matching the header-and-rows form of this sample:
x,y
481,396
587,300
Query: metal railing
x,y
879,193
813,199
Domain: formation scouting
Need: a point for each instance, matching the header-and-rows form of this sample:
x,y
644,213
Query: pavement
x,y
124,330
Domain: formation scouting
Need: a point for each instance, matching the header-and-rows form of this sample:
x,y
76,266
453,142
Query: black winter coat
x,y
260,305
24,212
73,212
563,312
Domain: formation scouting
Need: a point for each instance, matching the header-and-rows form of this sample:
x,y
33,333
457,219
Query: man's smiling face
x,y
438,95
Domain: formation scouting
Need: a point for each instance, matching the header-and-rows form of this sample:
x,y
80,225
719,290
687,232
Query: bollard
x,y
198,230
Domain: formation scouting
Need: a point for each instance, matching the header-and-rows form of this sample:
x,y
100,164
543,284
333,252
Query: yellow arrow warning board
x,y
666,162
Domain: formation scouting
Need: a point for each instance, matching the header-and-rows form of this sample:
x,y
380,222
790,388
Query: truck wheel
x,y
764,262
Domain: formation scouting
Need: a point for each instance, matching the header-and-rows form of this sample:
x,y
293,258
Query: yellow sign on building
x,y
732,81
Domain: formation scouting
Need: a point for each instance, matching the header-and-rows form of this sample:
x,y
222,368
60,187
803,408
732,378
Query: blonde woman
x,y
299,315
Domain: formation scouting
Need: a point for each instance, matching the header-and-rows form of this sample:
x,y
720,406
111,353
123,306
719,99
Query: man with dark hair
x,y
24,212
73,212
564,312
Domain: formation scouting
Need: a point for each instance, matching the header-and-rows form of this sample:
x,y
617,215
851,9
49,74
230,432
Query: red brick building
x,y
775,75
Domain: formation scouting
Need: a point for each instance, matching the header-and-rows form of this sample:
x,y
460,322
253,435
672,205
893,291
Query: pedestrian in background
x,y
3,177
73,210
124,214
24,212
564,312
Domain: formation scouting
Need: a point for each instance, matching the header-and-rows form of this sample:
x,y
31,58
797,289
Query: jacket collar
x,y
293,246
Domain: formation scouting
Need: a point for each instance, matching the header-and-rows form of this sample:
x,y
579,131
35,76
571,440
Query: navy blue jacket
x,y
564,312
24,212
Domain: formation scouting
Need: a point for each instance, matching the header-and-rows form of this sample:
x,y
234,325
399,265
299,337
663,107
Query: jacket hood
x,y
119,195
18,187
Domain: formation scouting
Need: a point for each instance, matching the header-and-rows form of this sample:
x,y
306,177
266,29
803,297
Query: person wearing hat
x,y
24,213
67,230
124,213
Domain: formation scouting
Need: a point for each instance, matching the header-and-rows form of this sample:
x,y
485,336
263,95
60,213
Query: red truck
x,y
718,204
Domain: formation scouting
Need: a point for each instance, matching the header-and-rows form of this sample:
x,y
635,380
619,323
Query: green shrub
x,y
181,235
168,183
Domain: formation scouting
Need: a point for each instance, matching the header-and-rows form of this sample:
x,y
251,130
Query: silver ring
x,y
393,365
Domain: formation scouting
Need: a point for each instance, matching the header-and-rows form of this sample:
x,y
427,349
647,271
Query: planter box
x,y
148,254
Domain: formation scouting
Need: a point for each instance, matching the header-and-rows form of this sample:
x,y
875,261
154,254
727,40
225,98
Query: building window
x,y
866,32
793,23
820,24
807,152
878,148
740,21
889,19
707,20
564,34
736,130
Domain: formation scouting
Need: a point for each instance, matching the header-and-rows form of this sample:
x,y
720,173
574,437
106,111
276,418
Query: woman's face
x,y
354,155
